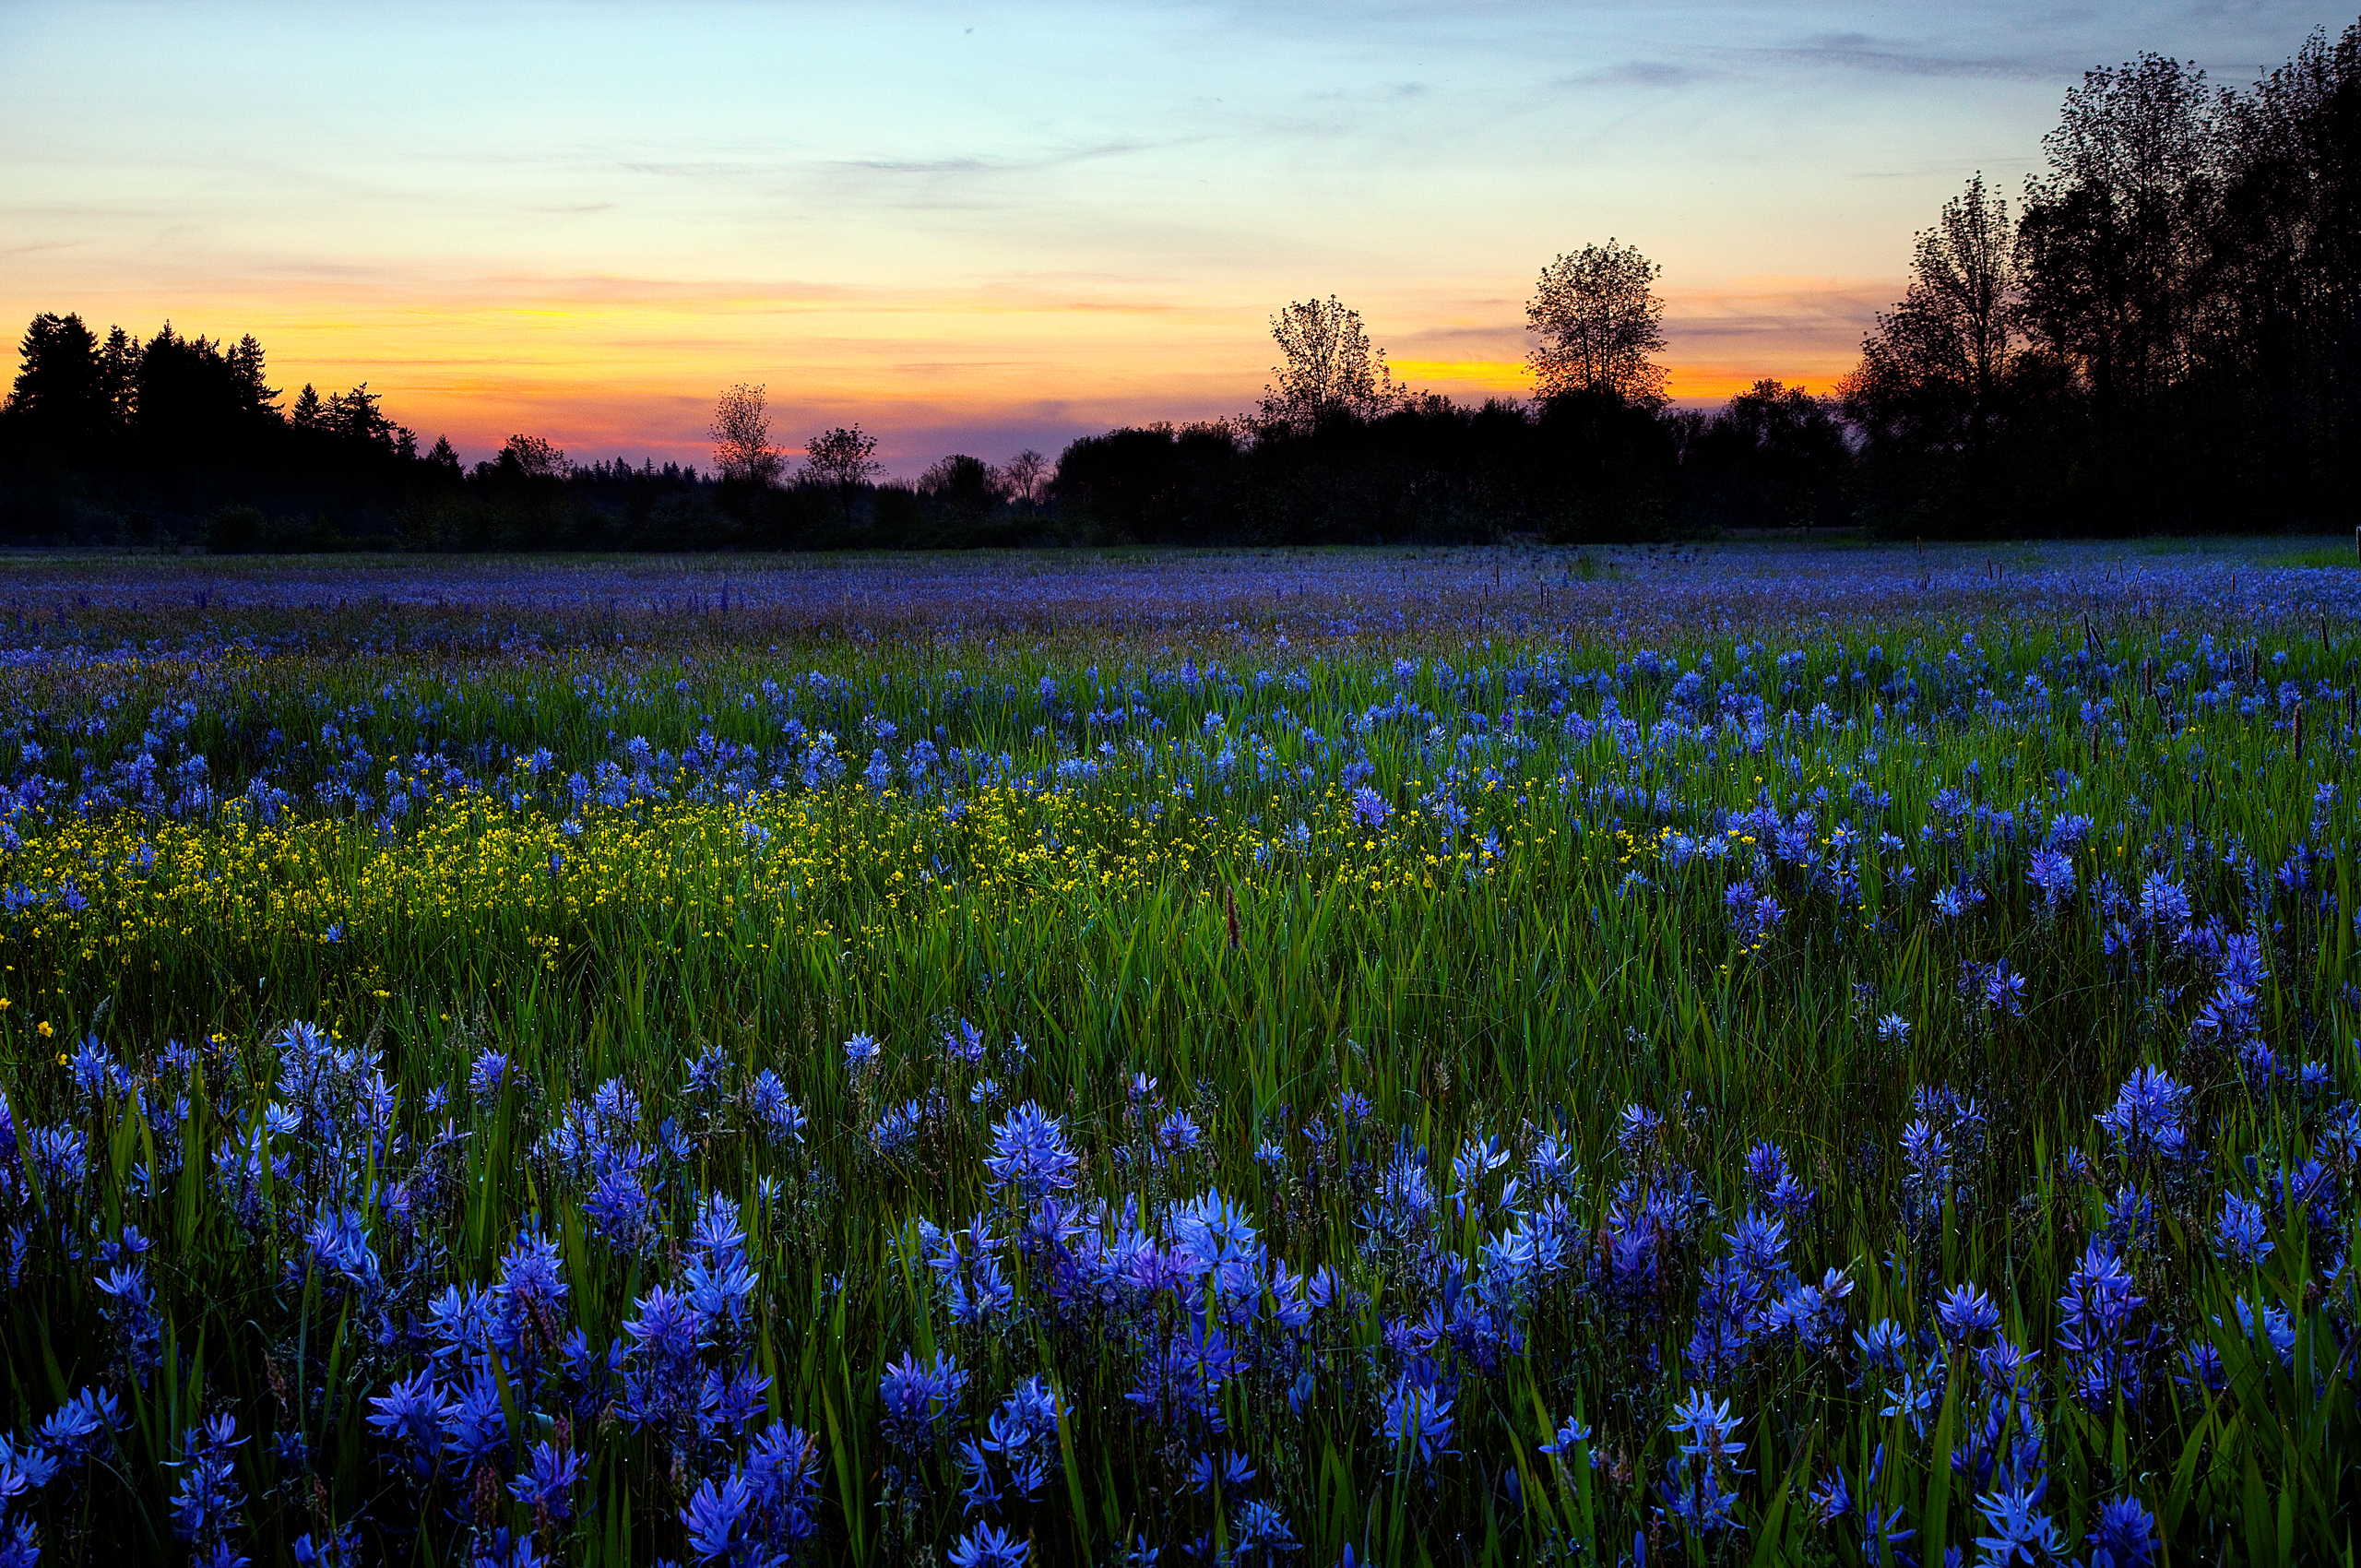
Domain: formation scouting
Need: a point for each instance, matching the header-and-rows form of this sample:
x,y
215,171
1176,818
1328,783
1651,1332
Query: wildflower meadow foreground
x,y
1748,1055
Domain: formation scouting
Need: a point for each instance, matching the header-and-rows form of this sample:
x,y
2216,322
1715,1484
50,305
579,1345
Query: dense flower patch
x,y
1849,1090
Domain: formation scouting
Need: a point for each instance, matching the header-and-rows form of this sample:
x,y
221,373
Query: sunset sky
x,y
981,227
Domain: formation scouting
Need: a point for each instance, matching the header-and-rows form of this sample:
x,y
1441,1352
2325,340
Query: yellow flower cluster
x,y
473,889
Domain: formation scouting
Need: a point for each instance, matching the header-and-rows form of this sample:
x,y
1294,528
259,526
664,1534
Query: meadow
x,y
1744,1053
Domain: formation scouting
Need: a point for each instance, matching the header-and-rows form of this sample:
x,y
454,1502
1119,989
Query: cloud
x,y
1641,73
1778,309
1056,159
705,170
1861,52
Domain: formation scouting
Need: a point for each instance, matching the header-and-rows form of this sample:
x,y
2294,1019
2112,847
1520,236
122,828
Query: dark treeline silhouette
x,y
2161,331
2165,334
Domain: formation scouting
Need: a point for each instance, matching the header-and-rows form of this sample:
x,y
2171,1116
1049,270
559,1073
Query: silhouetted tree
x,y
841,460
194,404
2113,237
119,379
1931,372
1027,477
963,483
1773,457
1598,320
1327,367
530,457
742,438
843,456
246,375
58,393
1156,484
357,417
2281,330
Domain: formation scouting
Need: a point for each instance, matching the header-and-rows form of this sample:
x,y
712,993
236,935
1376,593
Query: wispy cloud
x,y
1053,157
1641,73
1900,58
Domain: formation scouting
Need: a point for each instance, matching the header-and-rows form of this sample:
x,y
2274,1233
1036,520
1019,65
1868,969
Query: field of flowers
x,y
1733,1054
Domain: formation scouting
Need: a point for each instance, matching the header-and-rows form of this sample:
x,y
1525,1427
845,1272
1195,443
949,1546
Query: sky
x,y
984,227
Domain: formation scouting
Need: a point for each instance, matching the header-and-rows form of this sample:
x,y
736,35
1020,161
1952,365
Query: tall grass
x,y
1494,922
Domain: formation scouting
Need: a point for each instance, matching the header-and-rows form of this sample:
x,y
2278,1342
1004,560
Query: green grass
x,y
1157,919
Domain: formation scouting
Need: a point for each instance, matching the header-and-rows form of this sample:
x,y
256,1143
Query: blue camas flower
x,y
206,1508
1030,1155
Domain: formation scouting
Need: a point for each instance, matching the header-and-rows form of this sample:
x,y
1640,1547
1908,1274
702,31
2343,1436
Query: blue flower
x,y
919,1397
2242,1235
2163,904
548,1482
2149,1118
2018,1533
2126,1535
489,1075
130,1305
782,1119
475,1426
2270,1324
1030,1155
1217,1232
2096,1331
1416,1419
712,1517
81,1427
1571,1436
207,1506
410,1414
663,1384
1966,1310
1259,1533
2053,873
1699,1491
965,1042
620,1209
1177,1135
990,1547
1232,1472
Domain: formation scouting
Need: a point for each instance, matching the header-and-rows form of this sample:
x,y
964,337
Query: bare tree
x,y
1328,367
1026,477
1599,320
742,438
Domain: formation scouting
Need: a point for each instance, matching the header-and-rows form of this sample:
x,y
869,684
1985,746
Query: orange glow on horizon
x,y
616,365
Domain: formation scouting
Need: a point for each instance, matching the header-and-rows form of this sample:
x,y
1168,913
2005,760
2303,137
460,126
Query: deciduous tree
x,y
1326,367
534,458
742,438
1599,320
1932,369
841,459
1027,477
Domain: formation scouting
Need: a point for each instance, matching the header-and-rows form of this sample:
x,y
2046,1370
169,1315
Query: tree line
x,y
2161,331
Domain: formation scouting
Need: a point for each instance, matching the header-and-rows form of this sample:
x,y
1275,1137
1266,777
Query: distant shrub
x,y
235,530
